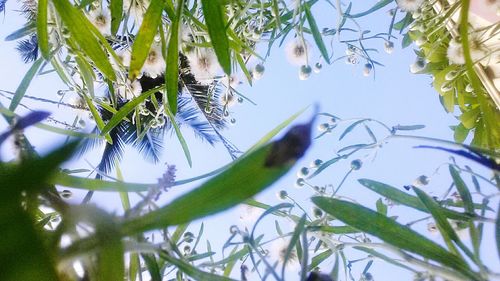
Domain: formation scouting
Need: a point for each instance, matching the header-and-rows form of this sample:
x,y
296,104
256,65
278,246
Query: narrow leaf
x,y
23,87
116,8
463,190
97,117
179,135
391,232
316,34
214,18
42,32
172,72
145,36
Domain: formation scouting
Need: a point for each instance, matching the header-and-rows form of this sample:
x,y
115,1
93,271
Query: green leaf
x,y
449,101
375,7
403,198
381,207
469,118
97,117
28,29
460,133
116,8
408,127
384,258
87,73
179,135
441,221
42,32
82,31
391,232
152,266
192,271
145,36
126,109
23,87
316,34
345,229
254,172
98,185
351,127
172,72
318,259
214,18
299,228
462,189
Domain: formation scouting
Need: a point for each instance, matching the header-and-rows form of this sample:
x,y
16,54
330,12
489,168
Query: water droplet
x,y
66,194
60,93
240,100
233,120
317,67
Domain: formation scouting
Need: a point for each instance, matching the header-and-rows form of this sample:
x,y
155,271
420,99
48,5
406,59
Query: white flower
x,y
418,65
258,71
249,215
136,9
79,105
298,51
204,64
155,63
278,254
228,99
130,90
124,55
101,18
455,52
409,5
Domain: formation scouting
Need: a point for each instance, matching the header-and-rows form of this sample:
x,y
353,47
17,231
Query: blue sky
x,y
395,97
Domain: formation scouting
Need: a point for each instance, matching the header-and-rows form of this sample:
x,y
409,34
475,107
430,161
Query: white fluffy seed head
x,y
298,51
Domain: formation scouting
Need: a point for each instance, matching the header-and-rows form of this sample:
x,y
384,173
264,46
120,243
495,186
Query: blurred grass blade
x,y
350,128
192,271
384,258
145,35
391,232
316,34
379,5
97,118
87,73
179,135
243,179
111,263
319,258
462,189
214,18
98,185
172,71
152,266
81,31
403,198
29,28
23,87
116,8
299,228
42,32
125,110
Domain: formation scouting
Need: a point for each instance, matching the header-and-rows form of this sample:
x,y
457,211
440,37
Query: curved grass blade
x,y
145,36
316,34
82,32
442,222
179,135
97,117
299,228
192,271
378,6
214,18
462,189
20,33
42,32
391,232
403,198
172,72
98,185
243,179
126,109
23,87
116,7
351,127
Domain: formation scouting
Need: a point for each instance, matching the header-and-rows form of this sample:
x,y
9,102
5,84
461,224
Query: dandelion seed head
x,y
409,5
278,251
155,63
101,19
298,51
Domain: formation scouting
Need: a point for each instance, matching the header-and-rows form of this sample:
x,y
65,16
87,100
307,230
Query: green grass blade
x,y
192,271
391,232
379,5
145,36
172,72
82,31
463,190
98,185
42,32
179,135
116,8
243,179
441,221
214,18
403,198
23,87
125,110
97,117
293,242
316,34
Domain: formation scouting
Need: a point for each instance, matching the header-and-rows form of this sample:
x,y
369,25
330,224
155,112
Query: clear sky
x,y
395,97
